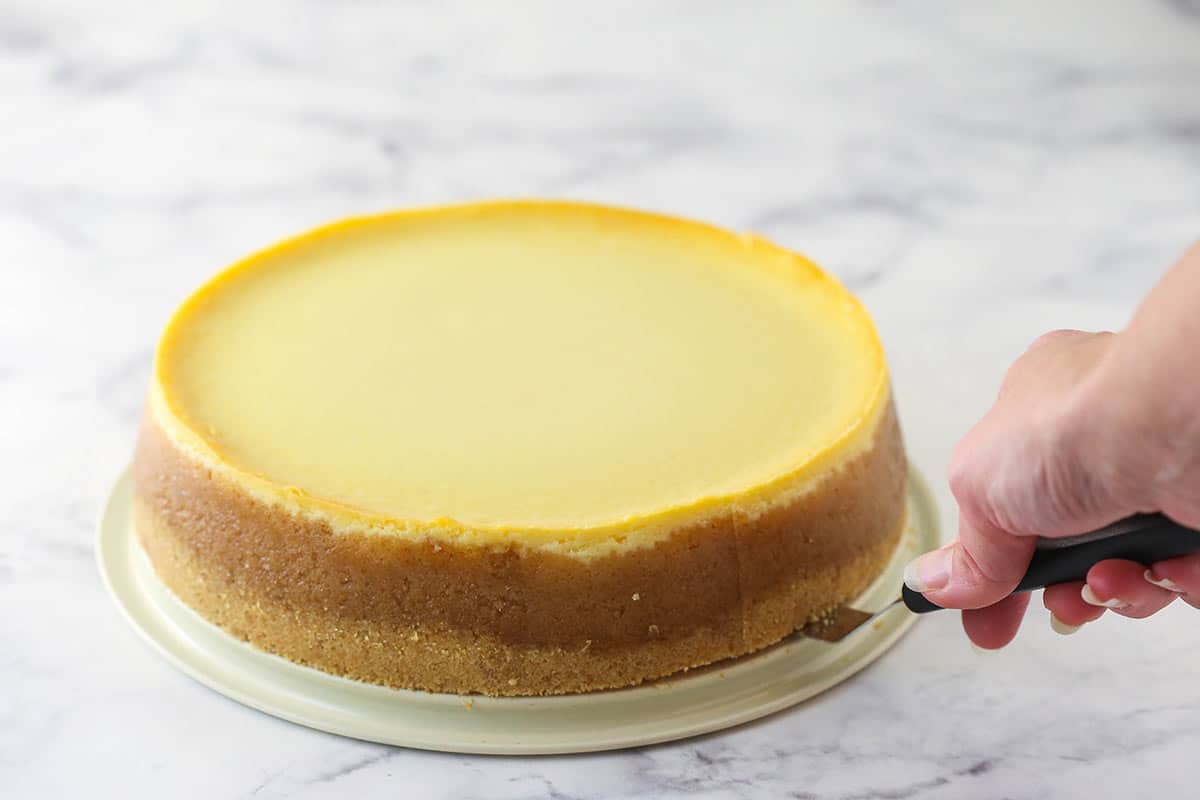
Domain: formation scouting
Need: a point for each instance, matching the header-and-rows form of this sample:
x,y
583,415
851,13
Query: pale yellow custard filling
x,y
548,372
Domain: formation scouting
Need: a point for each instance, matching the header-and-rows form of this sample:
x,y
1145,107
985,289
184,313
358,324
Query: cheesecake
x,y
518,448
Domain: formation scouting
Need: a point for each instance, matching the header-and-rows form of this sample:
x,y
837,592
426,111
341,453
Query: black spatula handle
x,y
1145,538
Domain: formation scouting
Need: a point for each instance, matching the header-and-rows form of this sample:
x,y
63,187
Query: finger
x,y
1067,609
1122,587
1180,575
995,626
978,569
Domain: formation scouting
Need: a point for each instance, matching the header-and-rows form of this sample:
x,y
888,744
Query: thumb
x,y
978,569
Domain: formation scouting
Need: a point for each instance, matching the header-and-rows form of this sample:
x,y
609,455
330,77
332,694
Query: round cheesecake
x,y
518,448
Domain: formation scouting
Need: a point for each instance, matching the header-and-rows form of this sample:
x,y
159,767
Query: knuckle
x,y
1011,376
1049,337
980,578
959,476
964,472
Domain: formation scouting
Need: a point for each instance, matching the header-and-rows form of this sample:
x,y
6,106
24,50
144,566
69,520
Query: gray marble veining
x,y
978,173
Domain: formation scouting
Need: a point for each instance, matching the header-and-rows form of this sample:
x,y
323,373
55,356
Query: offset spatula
x,y
1145,538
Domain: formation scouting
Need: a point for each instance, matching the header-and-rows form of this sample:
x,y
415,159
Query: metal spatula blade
x,y
843,621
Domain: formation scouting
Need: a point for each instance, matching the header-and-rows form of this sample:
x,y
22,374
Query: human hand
x,y
1088,428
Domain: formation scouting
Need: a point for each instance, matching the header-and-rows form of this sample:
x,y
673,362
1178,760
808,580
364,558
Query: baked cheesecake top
x,y
547,369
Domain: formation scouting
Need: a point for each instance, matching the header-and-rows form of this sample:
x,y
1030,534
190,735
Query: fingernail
x,y
1058,626
982,651
1091,599
1164,583
929,572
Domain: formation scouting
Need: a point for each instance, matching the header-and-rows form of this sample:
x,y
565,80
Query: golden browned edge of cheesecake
x,y
503,620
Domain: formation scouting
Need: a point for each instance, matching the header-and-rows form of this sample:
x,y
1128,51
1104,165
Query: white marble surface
x,y
977,172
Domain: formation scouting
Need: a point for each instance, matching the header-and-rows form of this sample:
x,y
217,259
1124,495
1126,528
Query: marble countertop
x,y
977,173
